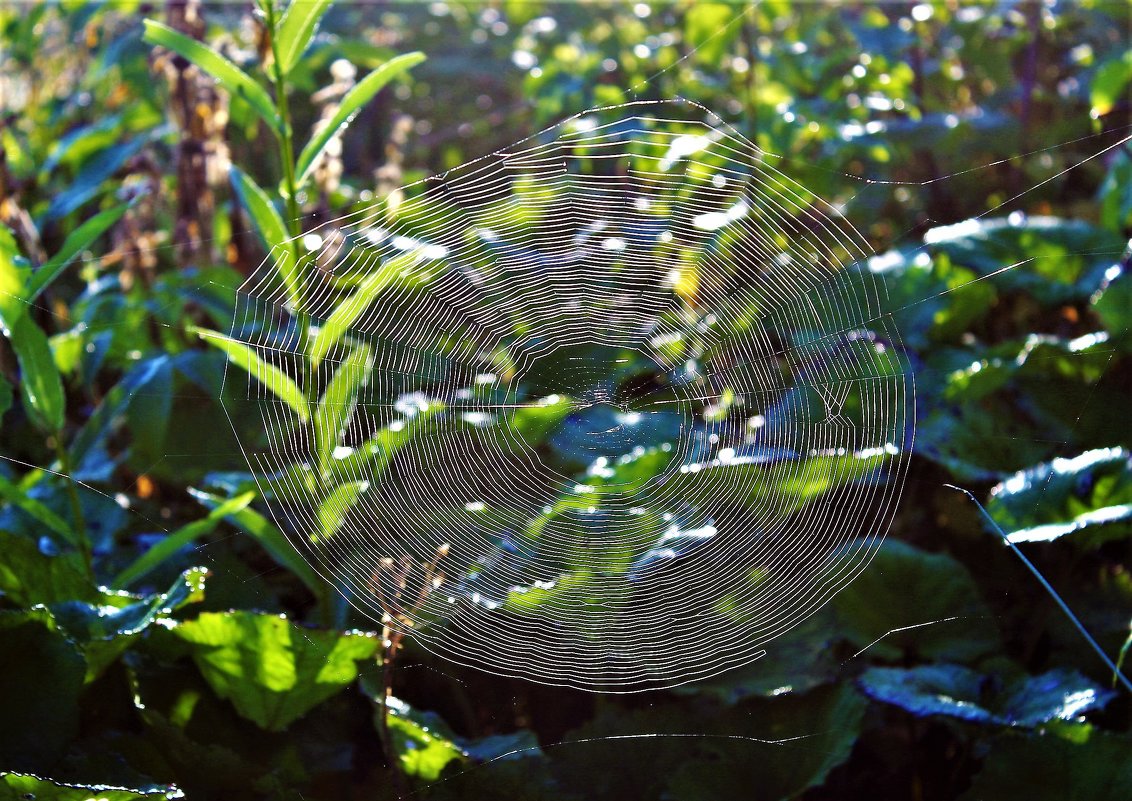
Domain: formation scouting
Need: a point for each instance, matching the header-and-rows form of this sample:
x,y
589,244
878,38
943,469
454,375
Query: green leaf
x,y
77,241
14,274
28,576
798,661
173,542
88,183
885,608
272,670
104,630
1109,84
1113,304
24,786
230,77
351,104
962,693
829,719
370,459
41,387
337,403
269,536
1045,768
1087,498
245,357
423,744
14,495
5,396
272,231
346,313
39,695
336,506
296,29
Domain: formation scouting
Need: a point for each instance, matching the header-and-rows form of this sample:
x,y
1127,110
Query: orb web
x,y
613,408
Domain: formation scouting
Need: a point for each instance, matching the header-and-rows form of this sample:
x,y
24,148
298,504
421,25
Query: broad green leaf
x,y
39,695
272,231
351,104
230,77
746,751
296,29
829,718
173,542
245,357
346,313
965,694
1087,498
77,241
40,384
908,601
1045,768
269,536
337,403
272,670
25,786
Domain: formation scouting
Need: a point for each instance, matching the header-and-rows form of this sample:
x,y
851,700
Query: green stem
x,y
287,161
76,506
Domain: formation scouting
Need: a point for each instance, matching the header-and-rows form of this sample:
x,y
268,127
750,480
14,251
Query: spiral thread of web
x,y
630,379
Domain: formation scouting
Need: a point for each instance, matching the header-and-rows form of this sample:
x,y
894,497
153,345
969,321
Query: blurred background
x,y
158,630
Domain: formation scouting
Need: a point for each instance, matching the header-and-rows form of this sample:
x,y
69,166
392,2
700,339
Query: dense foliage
x,y
157,630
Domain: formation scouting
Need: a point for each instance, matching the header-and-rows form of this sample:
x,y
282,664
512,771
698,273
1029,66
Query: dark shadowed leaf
x,y
28,576
1048,768
41,676
910,601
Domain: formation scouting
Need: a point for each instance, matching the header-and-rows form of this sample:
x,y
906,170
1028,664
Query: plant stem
x,y
400,786
287,162
76,506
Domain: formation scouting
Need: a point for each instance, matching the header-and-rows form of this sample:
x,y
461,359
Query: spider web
x,y
612,408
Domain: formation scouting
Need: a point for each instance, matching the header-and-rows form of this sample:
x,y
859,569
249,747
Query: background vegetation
x,y
156,629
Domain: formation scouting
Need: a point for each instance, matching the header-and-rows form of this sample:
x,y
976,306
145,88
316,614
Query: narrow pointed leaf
x,y
40,384
245,357
230,77
176,540
296,29
351,104
272,230
347,312
337,403
269,536
73,245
